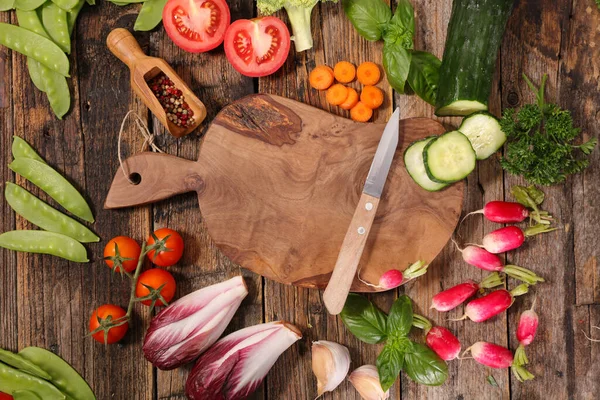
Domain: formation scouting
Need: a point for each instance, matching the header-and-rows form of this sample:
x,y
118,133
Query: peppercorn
x,y
172,101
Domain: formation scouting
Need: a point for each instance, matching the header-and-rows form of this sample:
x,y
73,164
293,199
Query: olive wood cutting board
x,y
278,182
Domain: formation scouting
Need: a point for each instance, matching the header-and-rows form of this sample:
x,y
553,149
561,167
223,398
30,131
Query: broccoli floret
x,y
299,12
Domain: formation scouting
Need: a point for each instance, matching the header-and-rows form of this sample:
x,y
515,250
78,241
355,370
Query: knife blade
x,y
352,248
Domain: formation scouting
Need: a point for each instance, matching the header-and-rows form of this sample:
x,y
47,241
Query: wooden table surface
x,y
47,302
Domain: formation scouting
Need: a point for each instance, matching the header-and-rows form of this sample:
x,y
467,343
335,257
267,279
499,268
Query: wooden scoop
x,y
143,68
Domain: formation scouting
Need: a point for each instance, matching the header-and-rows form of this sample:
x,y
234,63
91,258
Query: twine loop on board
x,y
148,140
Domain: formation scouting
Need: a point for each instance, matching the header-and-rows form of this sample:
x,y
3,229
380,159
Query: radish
x,y
491,355
451,298
528,323
439,339
511,237
492,304
506,212
394,277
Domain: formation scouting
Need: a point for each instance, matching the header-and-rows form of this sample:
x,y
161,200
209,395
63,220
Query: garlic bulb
x,y
330,364
366,382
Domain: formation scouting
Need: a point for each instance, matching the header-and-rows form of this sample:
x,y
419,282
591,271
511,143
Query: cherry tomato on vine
x,y
169,247
4,396
196,25
124,251
151,281
257,47
107,314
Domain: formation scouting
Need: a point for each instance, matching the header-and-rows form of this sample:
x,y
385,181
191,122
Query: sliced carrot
x,y
368,73
372,97
337,94
321,77
360,112
351,100
344,72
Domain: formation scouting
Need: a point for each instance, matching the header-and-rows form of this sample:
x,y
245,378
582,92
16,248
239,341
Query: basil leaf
x,y
400,318
369,17
423,366
364,320
389,365
405,16
396,63
424,75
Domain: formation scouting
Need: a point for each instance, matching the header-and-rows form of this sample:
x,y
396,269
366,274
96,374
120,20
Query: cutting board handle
x,y
156,177
123,45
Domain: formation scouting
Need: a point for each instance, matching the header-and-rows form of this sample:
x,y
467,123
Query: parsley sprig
x,y
541,141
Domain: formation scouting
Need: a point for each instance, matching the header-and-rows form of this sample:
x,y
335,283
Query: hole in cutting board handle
x,y
135,178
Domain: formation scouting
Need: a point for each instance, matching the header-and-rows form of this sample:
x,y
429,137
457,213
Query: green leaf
x,y
423,366
405,16
424,75
400,318
492,381
389,365
396,63
364,320
369,17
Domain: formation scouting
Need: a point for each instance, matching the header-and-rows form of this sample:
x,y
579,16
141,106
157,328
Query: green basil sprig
x,y
371,325
402,64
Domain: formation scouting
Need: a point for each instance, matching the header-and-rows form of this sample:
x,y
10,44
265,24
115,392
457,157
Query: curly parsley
x,y
540,141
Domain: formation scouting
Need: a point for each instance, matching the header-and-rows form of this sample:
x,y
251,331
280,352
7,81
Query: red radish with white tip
x,y
451,298
526,330
503,239
492,304
491,355
394,277
504,212
439,339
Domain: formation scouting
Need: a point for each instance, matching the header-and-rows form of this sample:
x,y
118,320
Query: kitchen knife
x,y
356,237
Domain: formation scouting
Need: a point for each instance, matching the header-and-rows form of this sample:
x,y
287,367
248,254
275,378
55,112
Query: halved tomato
x,y
196,25
257,47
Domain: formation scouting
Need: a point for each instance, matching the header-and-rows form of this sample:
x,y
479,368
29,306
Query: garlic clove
x,y
330,364
366,382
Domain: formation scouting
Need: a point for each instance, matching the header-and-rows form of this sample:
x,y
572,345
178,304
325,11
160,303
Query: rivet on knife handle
x,y
350,253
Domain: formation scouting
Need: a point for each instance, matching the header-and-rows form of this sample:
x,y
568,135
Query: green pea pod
x,y
66,5
126,2
41,214
118,3
73,14
54,19
35,73
63,375
150,15
31,21
35,46
57,90
6,5
22,364
28,5
53,183
25,395
12,380
22,149
91,2
43,242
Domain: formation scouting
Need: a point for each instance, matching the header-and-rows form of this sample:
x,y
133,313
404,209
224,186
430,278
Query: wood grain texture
x,y
269,165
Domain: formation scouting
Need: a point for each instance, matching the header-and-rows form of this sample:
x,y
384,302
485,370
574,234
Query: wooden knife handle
x,y
352,248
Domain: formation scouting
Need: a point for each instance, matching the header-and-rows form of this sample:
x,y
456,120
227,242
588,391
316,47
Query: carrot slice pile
x,y
321,77
360,112
368,73
337,94
351,100
372,97
344,72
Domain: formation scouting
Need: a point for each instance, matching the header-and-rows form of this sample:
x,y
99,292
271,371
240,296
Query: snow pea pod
x,y
43,242
57,90
35,46
30,20
23,364
35,73
150,15
54,20
65,4
6,5
22,149
25,395
12,380
53,183
72,15
63,375
28,5
41,214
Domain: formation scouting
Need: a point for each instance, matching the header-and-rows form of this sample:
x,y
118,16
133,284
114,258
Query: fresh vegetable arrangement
x,y
61,235
36,373
44,36
374,21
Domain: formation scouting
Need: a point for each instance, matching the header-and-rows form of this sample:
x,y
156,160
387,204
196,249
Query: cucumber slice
x,y
449,158
413,160
484,133
461,108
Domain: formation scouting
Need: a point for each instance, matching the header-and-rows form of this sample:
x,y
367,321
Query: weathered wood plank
x,y
292,377
105,97
217,84
532,46
587,368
